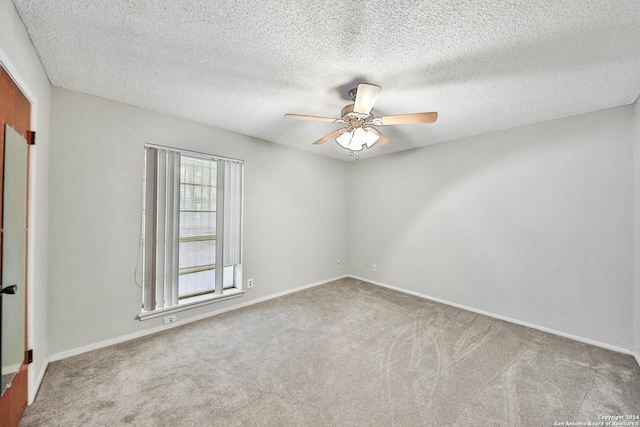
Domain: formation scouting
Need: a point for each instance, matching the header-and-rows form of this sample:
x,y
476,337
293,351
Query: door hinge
x,y
30,356
31,137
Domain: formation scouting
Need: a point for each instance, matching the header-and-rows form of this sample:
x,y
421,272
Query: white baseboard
x,y
505,318
34,387
101,344
127,337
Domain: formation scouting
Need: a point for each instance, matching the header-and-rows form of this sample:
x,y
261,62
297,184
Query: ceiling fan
x,y
359,117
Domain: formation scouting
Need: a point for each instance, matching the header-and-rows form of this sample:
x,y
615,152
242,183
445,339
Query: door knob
x,y
9,290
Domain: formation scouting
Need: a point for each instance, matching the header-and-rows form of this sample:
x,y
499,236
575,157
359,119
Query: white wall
x,y
295,203
19,58
636,257
533,223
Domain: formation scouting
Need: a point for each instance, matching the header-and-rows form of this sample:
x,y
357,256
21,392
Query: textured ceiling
x,y
241,65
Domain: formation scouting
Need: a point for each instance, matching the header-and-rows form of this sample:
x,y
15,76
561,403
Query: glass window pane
x,y
197,249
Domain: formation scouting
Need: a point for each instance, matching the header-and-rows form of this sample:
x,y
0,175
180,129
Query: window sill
x,y
189,303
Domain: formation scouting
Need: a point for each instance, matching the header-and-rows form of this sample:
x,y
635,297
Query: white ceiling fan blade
x,y
366,96
332,135
382,141
405,119
316,118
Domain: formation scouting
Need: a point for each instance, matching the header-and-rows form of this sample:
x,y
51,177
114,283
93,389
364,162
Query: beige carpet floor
x,y
346,353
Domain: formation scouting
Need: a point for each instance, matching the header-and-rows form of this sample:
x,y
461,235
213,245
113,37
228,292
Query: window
x,y
192,229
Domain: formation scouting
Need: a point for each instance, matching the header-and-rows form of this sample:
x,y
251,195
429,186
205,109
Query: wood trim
x,y
14,108
14,400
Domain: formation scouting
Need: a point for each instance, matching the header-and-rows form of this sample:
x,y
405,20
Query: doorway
x,y
15,116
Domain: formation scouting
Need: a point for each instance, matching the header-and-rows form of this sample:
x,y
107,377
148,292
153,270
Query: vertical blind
x,y
232,225
192,222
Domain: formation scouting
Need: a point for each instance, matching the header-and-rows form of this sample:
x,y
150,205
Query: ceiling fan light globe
x,y
356,146
357,139
349,142
344,140
367,137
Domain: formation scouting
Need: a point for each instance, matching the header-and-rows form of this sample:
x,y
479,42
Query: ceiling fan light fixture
x,y
356,139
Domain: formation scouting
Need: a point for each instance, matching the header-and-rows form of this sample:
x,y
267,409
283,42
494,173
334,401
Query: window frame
x,y
220,293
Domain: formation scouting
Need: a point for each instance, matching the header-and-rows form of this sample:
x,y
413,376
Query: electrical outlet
x,y
170,319
338,263
249,283
374,268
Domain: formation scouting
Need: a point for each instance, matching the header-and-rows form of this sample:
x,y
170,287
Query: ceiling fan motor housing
x,y
353,118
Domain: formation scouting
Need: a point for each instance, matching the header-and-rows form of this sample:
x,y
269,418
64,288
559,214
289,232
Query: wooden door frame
x,y
15,109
